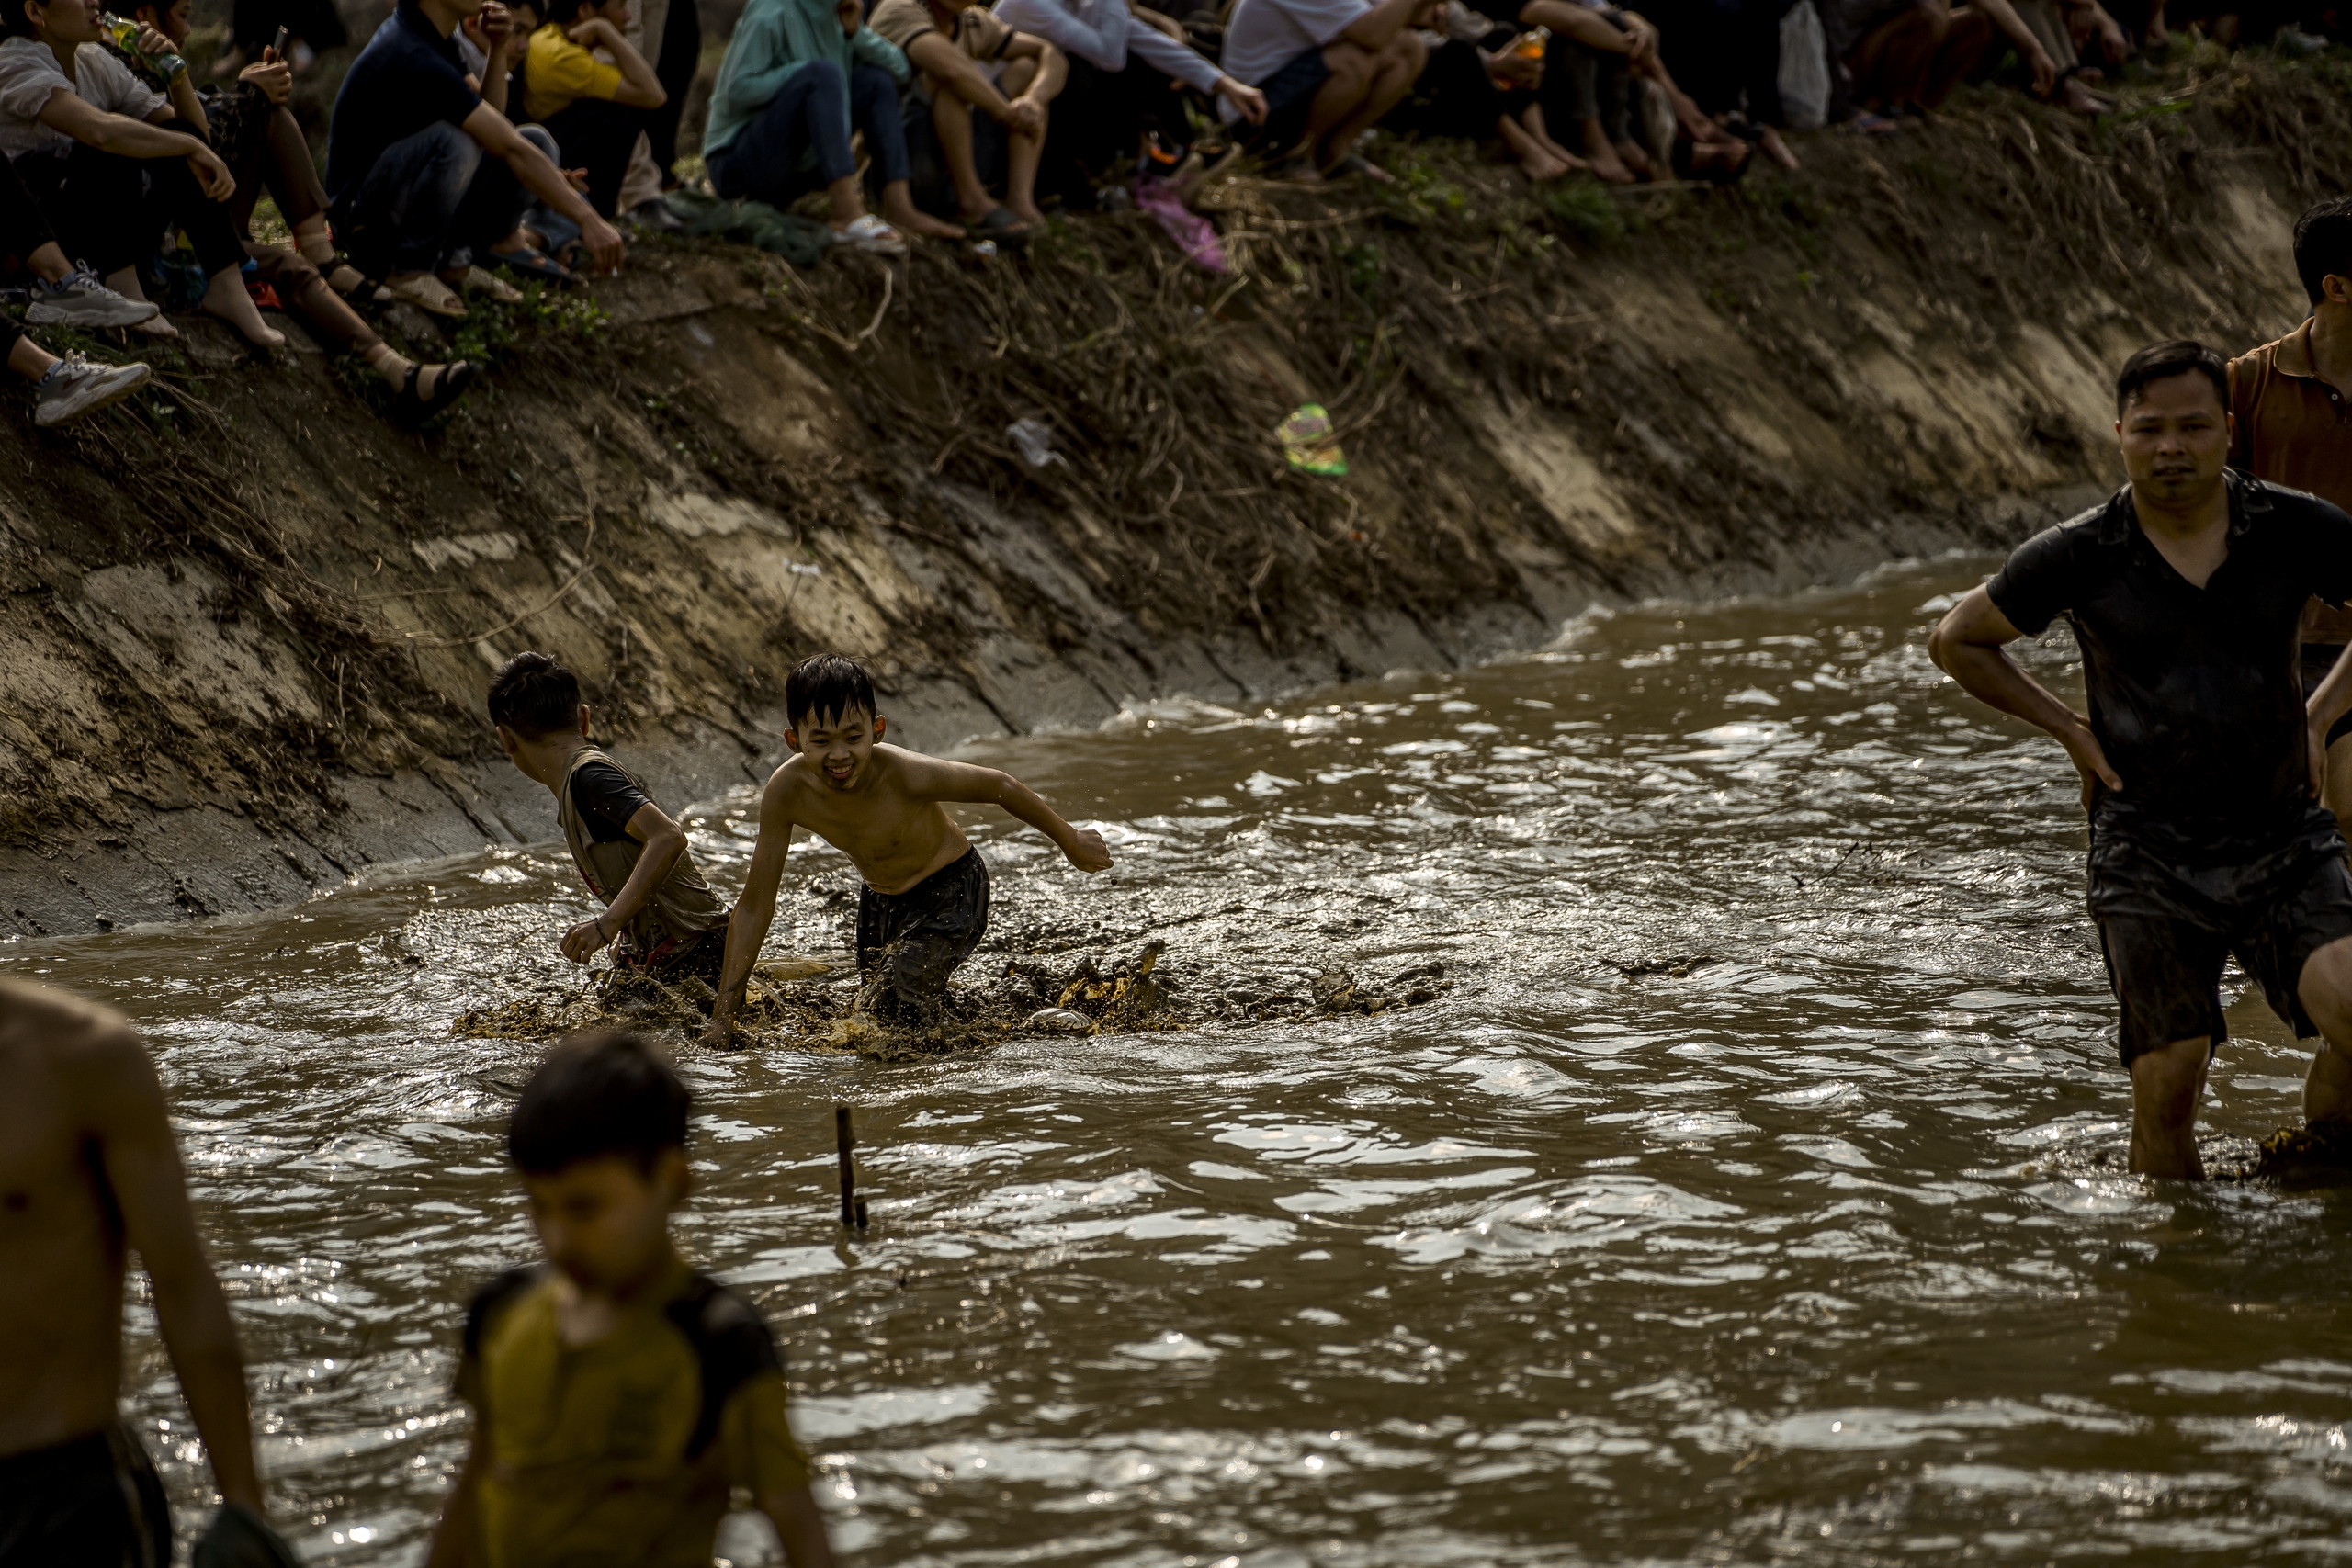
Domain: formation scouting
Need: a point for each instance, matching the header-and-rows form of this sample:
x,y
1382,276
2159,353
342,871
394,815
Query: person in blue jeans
x,y
422,173
799,76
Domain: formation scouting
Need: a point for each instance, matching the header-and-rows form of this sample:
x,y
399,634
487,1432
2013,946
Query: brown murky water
x,y
1748,1200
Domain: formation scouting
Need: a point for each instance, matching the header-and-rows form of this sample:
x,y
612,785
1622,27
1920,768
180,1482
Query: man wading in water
x,y
88,1172
2203,766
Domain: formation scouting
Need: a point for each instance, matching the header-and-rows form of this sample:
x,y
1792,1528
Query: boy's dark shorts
x,y
91,1503
1290,93
908,944
702,955
2167,930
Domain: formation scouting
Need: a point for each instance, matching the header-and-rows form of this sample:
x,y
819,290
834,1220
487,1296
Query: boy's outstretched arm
x,y
967,784
747,926
664,842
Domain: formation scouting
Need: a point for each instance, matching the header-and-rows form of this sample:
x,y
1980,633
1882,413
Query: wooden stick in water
x,y
844,1140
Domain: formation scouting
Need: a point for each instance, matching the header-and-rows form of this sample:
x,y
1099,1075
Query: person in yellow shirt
x,y
594,110
620,1396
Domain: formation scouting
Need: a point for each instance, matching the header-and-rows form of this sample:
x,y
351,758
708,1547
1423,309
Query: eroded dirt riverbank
x,y
246,622
1743,1202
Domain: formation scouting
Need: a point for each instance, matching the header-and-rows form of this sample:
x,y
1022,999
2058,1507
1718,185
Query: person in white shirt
x,y
102,156
1329,70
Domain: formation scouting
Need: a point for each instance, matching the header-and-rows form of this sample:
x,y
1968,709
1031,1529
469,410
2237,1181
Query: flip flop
x,y
531,262
870,235
413,406
1002,224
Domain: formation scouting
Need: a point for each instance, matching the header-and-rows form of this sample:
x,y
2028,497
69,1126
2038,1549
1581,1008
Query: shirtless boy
x,y
925,903
2201,761
88,1173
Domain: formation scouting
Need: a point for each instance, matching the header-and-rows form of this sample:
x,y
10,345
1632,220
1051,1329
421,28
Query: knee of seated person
x,y
1348,61
1407,49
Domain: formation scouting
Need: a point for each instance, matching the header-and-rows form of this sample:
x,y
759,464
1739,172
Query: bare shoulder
x,y
918,772
90,1044
786,783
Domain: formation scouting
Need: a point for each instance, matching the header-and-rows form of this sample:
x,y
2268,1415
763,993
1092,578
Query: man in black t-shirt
x,y
421,174
2201,762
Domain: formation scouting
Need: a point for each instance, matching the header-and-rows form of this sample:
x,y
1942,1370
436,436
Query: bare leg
x,y
1969,42
951,122
1041,84
848,205
1532,121
1395,70
2325,990
28,359
49,263
899,211
2165,1086
225,297
1891,65
1535,160
1339,96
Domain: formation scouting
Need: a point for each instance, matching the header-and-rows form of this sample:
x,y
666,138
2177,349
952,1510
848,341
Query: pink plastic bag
x,y
1192,233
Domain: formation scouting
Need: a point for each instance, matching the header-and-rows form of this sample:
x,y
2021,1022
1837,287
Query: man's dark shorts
x,y
2167,930
1290,93
908,944
91,1503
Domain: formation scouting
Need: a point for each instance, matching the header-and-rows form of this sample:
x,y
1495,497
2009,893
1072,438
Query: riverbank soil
x,y
249,619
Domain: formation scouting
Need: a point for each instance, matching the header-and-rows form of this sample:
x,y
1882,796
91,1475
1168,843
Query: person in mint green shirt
x,y
798,77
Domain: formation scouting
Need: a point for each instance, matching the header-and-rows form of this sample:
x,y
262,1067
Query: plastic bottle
x,y
125,33
1529,45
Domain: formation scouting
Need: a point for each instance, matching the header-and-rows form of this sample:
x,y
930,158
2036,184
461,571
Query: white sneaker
x,y
79,299
74,387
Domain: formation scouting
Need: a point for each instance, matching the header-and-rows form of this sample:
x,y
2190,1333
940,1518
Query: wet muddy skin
x,y
1750,1196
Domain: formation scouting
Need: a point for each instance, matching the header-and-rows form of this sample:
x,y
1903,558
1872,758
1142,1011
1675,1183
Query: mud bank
x,y
247,621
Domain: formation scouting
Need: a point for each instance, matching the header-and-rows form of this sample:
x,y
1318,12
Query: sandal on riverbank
x,y
530,262
450,386
1001,224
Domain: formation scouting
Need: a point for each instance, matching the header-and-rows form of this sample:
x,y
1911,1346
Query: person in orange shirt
x,y
2292,402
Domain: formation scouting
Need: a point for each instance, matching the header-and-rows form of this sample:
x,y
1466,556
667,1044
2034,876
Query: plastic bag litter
x,y
800,240
1308,444
1035,442
1194,234
1804,68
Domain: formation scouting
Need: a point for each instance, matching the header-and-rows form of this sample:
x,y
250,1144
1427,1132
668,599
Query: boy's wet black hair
x,y
2163,361
2324,243
824,686
610,1092
532,694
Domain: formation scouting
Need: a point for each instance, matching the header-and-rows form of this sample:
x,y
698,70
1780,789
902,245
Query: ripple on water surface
x,y
1738,1204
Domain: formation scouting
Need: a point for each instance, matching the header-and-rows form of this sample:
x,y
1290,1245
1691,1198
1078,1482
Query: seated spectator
x,y
310,25
489,46
1329,70
1460,91
969,62
257,136
423,172
1126,68
1728,57
2066,30
1596,63
798,76
594,111
69,387
64,294
101,156
1908,55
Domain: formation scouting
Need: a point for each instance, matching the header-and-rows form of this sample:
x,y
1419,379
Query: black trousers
x,y
1579,84
1104,115
1722,52
1452,96
598,135
674,67
111,211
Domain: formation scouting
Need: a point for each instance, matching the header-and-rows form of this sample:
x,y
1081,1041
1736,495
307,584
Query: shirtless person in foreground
x,y
88,1173
925,903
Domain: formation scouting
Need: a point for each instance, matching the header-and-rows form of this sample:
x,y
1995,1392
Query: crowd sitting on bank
x,y
475,144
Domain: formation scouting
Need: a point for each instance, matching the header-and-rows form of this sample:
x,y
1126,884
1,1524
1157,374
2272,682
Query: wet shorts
x,y
908,944
703,953
92,1503
2167,930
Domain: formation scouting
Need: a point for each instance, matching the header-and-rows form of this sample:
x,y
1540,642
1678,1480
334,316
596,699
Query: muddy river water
x,y
1752,1196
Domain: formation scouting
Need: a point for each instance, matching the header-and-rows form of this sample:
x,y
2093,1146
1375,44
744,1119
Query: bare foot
x,y
1635,157
908,219
157,326
1776,149
1357,163
225,298
1027,212
1540,166
2082,100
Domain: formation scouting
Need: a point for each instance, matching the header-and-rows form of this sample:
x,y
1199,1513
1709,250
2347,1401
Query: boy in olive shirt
x,y
619,1395
666,919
